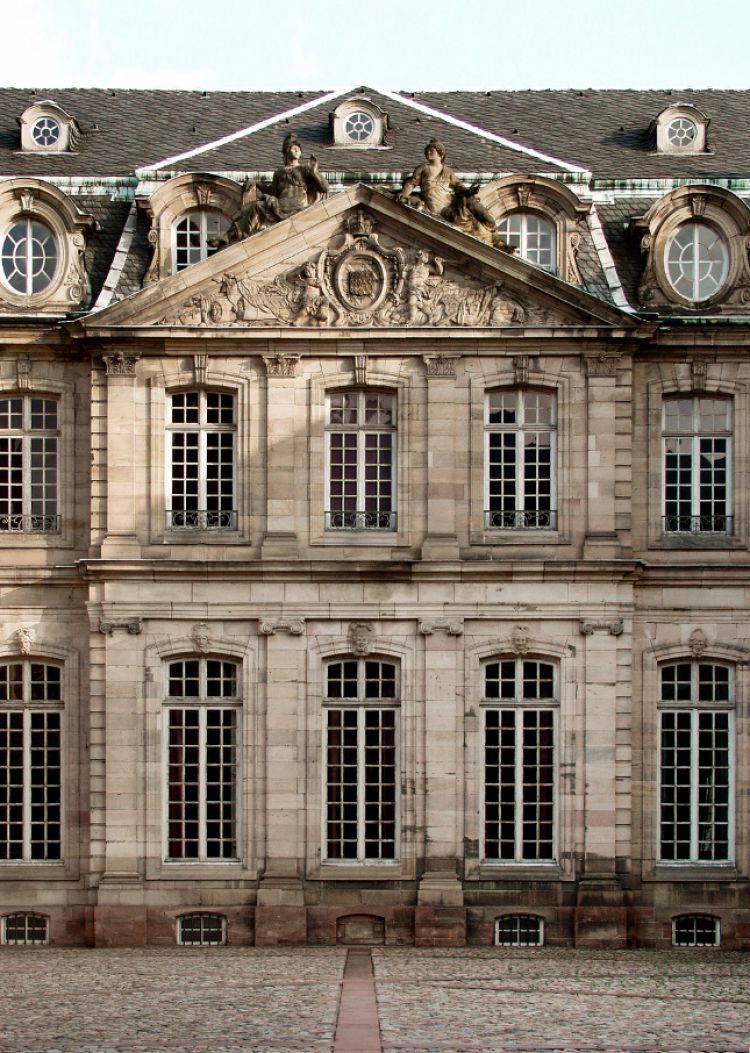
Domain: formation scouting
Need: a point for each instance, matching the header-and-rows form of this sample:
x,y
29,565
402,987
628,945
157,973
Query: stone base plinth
x,y
439,927
280,926
601,927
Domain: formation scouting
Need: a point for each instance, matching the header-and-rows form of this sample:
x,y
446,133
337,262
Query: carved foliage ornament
x,y
363,282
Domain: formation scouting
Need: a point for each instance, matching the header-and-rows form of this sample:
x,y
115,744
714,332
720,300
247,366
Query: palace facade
x,y
374,521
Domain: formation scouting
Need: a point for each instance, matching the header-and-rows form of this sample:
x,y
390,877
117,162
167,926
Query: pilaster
x,y
282,457
125,469
446,487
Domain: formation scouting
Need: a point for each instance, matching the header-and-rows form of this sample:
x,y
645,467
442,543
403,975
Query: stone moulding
x,y
271,626
133,626
614,627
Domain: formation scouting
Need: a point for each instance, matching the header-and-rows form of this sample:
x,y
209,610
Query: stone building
x,y
374,532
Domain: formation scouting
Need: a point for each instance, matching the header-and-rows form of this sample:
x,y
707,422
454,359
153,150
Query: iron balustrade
x,y
520,519
360,520
202,519
706,524
30,524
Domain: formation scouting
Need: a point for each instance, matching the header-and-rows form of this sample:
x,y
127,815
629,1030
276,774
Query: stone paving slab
x,y
571,1001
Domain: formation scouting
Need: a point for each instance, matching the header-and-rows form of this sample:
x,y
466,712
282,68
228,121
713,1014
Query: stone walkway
x,y
248,1000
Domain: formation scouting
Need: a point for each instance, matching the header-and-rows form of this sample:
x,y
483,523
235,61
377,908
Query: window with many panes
x,y
29,451
698,465
195,235
532,236
696,260
202,733
25,929
30,761
201,433
29,257
361,764
696,930
518,804
695,763
520,459
361,461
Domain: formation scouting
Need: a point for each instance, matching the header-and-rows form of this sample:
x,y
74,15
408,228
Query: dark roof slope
x,y
607,131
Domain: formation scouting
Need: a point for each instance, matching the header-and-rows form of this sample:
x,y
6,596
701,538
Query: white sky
x,y
301,44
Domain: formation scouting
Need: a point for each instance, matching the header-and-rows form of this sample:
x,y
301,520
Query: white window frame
x,y
26,915
524,236
361,705
202,943
521,520
518,916
27,707
717,930
695,435
362,429
518,706
27,521
202,703
200,518
201,218
28,255
695,708
670,265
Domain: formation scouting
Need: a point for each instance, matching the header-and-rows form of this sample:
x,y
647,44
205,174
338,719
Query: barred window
x,y
202,717
519,930
698,465
361,762
30,761
696,930
520,458
201,461
361,461
519,761
696,729
25,929
29,448
202,930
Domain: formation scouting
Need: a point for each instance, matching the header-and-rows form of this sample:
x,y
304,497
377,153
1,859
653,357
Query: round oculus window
x,y
681,132
45,131
29,257
359,126
697,262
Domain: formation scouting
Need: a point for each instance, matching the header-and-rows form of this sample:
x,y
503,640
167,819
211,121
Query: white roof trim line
x,y
118,263
499,139
608,264
265,123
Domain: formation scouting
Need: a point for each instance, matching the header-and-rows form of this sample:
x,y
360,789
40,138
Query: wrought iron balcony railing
x,y
201,519
360,520
31,524
520,519
707,524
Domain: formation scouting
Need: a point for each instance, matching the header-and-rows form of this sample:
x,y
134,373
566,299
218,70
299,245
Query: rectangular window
x,y
697,465
29,448
361,763
361,465
202,748
30,762
695,765
519,762
201,461
520,458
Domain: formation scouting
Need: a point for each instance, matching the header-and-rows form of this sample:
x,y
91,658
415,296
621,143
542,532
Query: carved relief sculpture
x,y
293,187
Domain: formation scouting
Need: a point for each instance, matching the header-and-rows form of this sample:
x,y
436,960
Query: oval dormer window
x,y
29,257
45,131
682,132
696,261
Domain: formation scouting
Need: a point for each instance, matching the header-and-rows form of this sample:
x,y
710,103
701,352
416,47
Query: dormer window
x,y
359,122
681,129
47,128
195,237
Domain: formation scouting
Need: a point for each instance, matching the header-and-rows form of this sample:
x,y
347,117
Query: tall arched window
x,y
519,762
202,732
696,756
361,703
361,461
30,761
201,433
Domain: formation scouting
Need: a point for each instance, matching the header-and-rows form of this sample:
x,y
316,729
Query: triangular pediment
x,y
358,260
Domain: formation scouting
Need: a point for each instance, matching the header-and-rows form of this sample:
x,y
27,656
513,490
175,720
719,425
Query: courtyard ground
x,y
315,1000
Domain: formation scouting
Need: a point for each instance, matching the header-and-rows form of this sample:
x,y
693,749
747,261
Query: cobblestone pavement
x,y
248,1000
493,999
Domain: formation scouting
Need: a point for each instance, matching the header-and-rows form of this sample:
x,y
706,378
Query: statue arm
x,y
411,183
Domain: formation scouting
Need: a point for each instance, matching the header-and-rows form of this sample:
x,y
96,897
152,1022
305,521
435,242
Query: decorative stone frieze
x,y
614,627
292,626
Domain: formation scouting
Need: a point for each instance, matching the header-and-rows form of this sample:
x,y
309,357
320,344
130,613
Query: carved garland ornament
x,y
364,283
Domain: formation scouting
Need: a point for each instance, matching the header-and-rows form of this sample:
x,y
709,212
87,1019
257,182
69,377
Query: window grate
x,y
201,930
25,929
696,930
519,930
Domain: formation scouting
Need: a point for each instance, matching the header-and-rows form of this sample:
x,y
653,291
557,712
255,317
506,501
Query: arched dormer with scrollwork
x,y
187,213
541,219
695,241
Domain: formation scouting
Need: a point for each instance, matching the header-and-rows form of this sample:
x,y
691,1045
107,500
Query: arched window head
x,y
47,128
692,240
42,242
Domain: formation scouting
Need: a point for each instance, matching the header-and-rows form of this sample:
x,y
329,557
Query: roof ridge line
x,y
467,127
258,126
